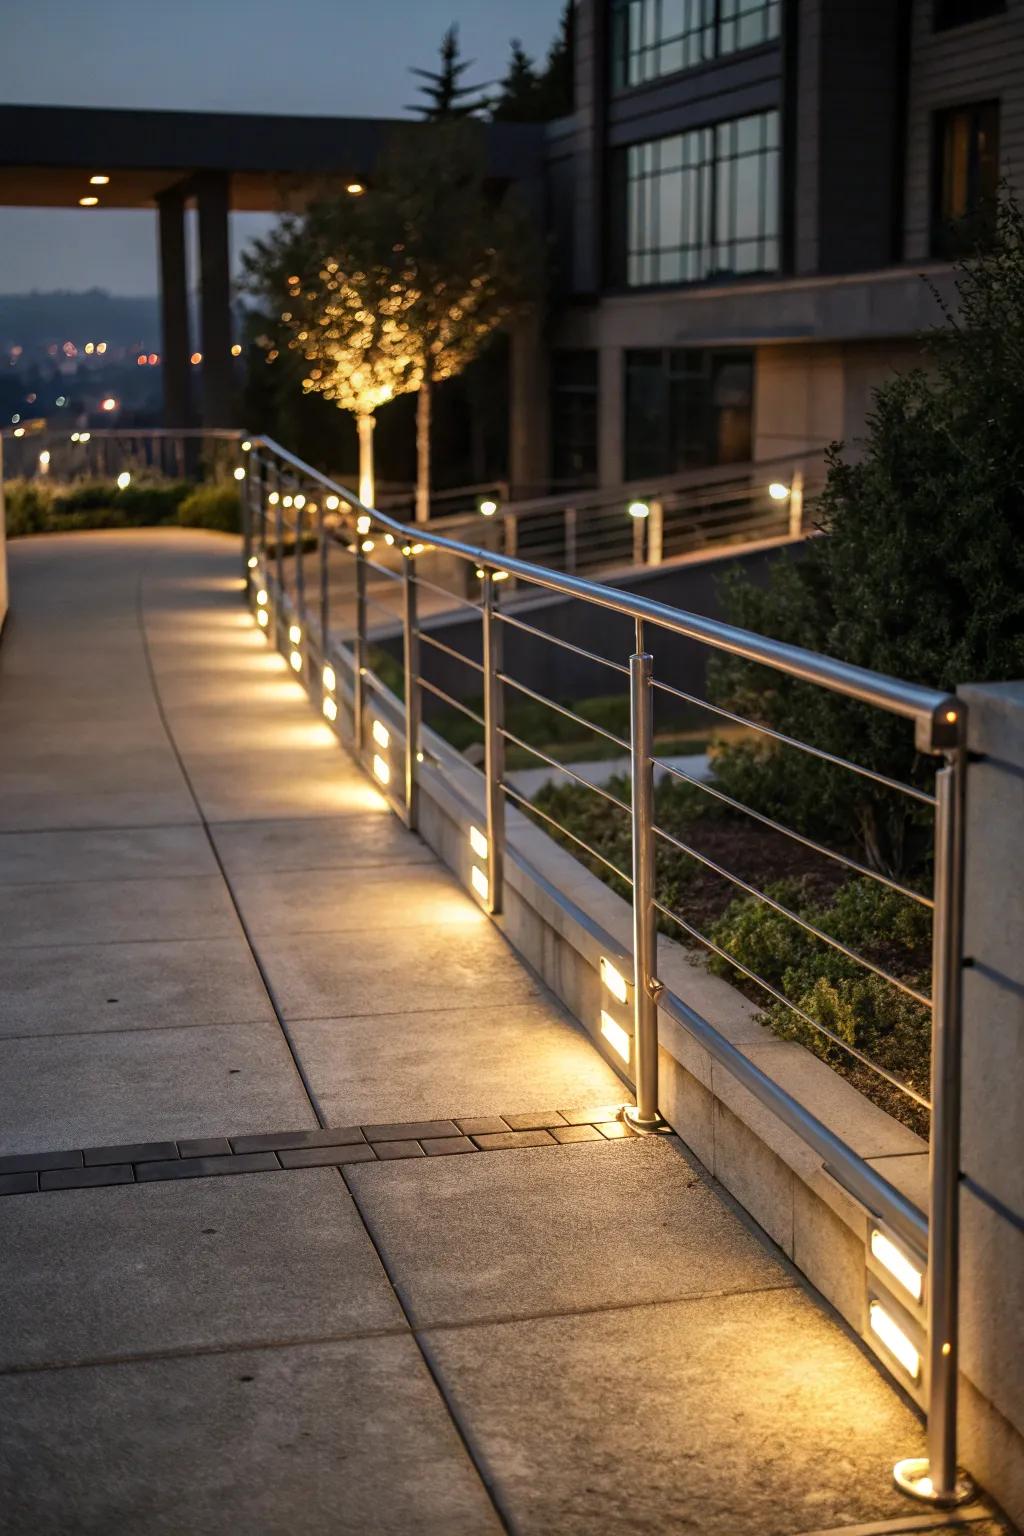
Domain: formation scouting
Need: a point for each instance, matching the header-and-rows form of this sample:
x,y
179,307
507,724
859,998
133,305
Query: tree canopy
x,y
446,95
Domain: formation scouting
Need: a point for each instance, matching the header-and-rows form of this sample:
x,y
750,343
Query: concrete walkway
x,y
211,927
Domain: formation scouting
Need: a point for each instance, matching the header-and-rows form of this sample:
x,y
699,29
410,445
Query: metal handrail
x,y
938,720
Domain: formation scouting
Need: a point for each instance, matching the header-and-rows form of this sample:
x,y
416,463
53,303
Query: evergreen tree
x,y
445,93
556,88
520,98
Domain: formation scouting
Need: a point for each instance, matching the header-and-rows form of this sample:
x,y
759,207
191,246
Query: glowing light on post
x,y
253,562
124,480
296,661
263,618
299,502
44,462
332,503
239,473
261,597
295,634
488,507
478,842
19,431
367,545
638,509
613,979
381,770
616,1036
236,350
777,491
274,498
481,884
246,446
109,404
330,681
363,523
196,359
895,1340
330,709
897,1263
381,734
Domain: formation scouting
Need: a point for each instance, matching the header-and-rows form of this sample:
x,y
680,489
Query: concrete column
x,y
610,417
218,407
529,409
174,346
992,1138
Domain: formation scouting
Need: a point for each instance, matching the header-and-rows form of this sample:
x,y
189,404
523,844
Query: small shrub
x,y
47,506
218,507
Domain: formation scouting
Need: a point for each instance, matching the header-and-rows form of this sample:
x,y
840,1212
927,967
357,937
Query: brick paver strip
x,y
326,1157
410,1130
34,1162
202,1167
505,1141
388,1150
565,1133
87,1178
142,1152
205,1146
481,1125
615,1130
441,1146
592,1116
279,1141
18,1183
535,1122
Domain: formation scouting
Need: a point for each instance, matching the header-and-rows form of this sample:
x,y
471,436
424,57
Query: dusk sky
x,y
304,56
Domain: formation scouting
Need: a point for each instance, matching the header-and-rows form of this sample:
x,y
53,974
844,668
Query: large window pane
x,y
652,38
687,408
965,177
574,417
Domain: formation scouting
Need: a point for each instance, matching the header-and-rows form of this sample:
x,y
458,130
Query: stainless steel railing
x,y
38,451
294,514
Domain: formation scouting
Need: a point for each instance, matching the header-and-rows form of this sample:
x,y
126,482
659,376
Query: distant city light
x,y
89,348
101,347
88,202
141,360
16,417
83,437
109,404
196,358
153,359
61,400
19,431
239,473
44,460
355,189
236,350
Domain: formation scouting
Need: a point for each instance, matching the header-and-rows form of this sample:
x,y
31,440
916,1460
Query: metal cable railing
x,y
334,662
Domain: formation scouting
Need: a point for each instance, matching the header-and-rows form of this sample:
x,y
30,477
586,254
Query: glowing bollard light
x,y
616,1036
253,561
330,709
363,523
638,509
124,480
239,473
261,597
478,842
381,734
381,770
895,1340
263,618
777,491
295,634
902,1269
296,660
613,979
330,681
488,507
480,882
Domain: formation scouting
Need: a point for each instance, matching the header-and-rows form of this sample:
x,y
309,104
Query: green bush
x,y
212,506
44,506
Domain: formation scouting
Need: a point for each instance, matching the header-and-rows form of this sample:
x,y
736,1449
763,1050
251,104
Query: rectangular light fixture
x,y
616,1036
330,709
613,979
381,734
381,769
330,681
896,1262
295,634
895,1340
478,842
480,882
262,618
296,660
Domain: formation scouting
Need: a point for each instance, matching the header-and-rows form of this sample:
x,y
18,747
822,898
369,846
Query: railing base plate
x,y
654,1127
912,1477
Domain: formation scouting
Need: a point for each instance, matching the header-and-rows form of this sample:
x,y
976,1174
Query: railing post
x,y
571,519
655,532
494,747
359,647
645,928
796,505
246,499
936,1478
279,534
325,590
411,651
300,575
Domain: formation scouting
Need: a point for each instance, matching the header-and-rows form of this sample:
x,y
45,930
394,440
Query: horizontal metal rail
x,y
455,703
553,762
566,645
560,709
534,810
439,645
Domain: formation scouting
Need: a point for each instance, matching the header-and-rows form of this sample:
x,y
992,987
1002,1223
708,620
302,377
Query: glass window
x,y
687,408
966,177
652,38
574,417
703,204
958,13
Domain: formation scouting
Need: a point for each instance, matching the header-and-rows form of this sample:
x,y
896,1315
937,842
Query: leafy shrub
x,y
218,507
44,506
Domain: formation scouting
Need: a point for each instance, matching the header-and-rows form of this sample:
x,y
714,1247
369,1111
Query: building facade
x,y
743,208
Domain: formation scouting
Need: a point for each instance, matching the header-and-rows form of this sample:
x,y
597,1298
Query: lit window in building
x,y
687,408
703,204
652,38
966,177
574,417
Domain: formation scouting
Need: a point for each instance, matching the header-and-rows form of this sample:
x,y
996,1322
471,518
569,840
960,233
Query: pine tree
x,y
520,99
445,93
556,91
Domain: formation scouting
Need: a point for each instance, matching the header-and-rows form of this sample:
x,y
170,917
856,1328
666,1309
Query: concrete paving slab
x,y
139,854
147,1085
352,1434
272,784
105,1274
722,1415
27,809
450,1063
336,901
337,842
322,975
59,989
556,1229
116,911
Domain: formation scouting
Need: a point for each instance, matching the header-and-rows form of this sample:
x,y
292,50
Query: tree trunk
x,y
367,490
423,453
